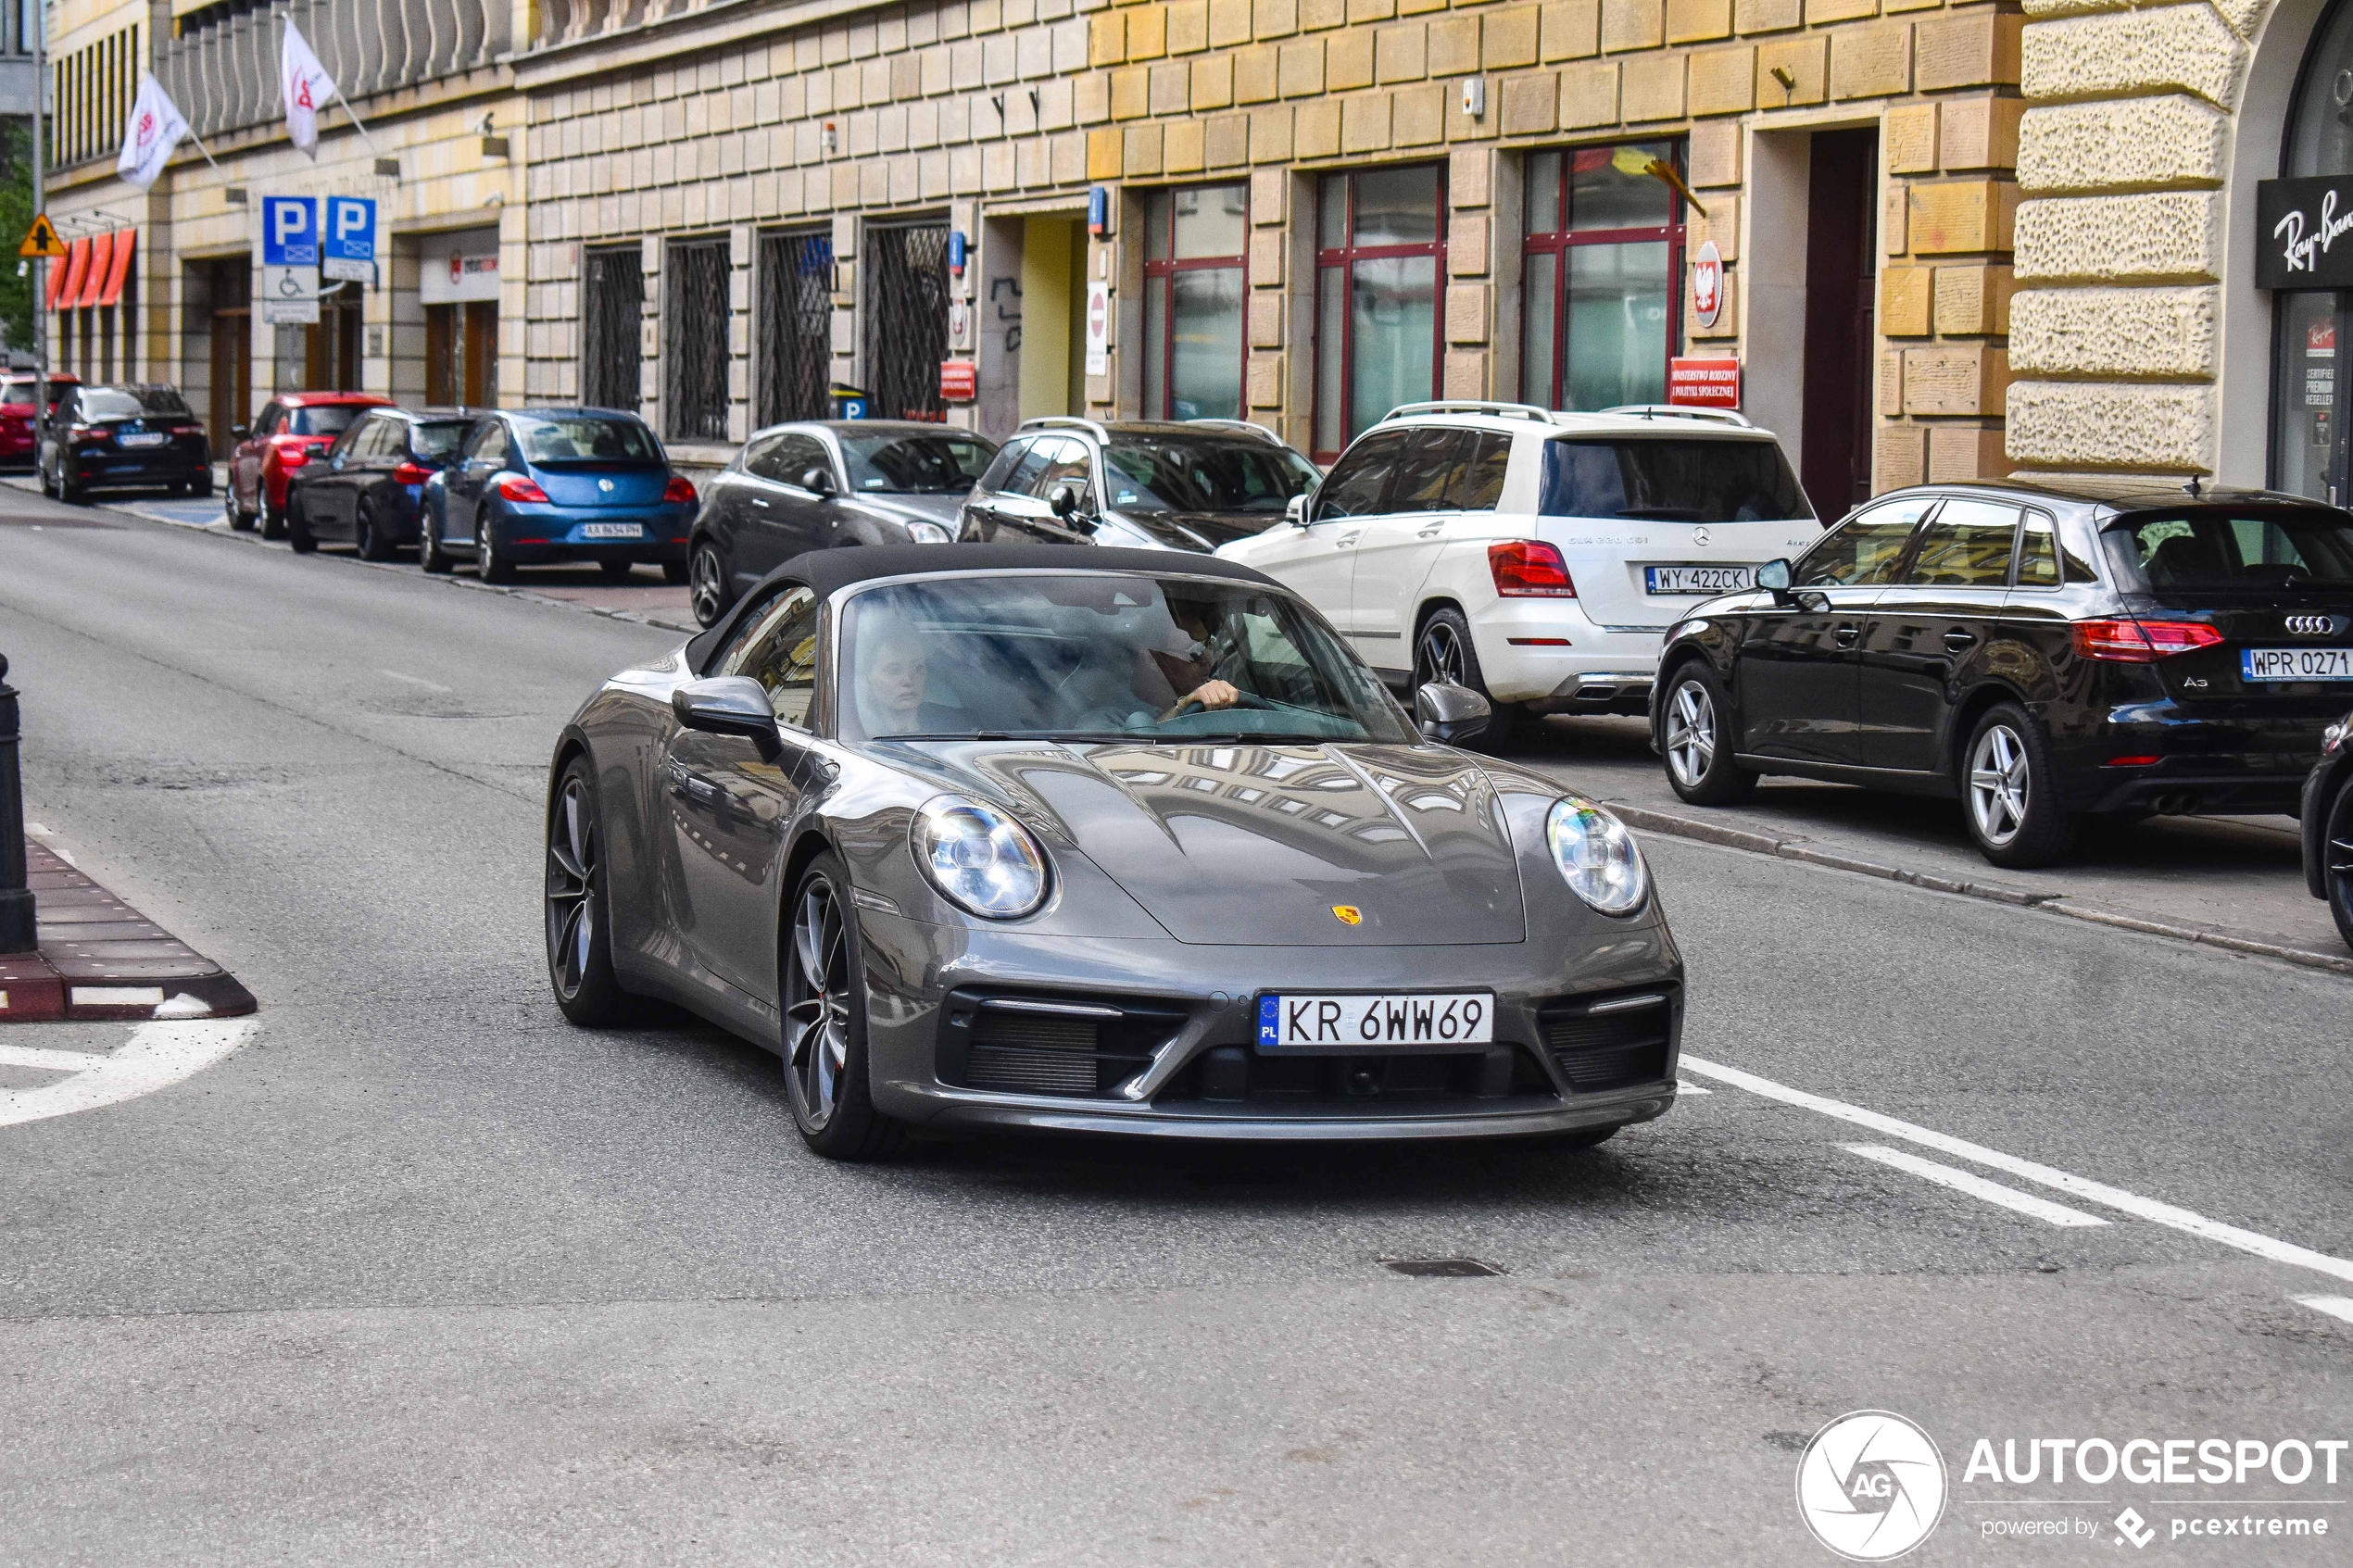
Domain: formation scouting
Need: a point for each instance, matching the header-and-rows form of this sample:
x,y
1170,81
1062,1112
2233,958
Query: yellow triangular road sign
x,y
41,239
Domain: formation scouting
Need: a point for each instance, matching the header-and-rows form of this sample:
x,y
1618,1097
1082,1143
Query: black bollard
x,y
17,931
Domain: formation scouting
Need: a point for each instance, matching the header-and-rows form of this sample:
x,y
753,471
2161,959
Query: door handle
x,y
1845,635
1347,539
1957,642
761,503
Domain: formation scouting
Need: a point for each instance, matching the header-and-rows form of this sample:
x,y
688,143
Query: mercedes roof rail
x,y
1067,421
1250,425
1470,406
1680,412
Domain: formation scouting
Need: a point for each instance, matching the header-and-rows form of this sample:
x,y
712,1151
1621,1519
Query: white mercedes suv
x,y
1535,557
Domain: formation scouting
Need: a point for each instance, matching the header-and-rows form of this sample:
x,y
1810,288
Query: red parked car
x,y
16,440
291,429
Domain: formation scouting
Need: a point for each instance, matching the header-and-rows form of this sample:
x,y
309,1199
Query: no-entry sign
x,y
1704,383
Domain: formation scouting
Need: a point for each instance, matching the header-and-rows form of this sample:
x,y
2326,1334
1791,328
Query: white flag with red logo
x,y
307,89
156,127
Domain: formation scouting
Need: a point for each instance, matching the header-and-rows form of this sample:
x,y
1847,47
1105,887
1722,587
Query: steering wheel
x,y
1241,700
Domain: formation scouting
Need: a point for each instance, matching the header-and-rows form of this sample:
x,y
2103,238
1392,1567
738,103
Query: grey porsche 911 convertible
x,y
1098,840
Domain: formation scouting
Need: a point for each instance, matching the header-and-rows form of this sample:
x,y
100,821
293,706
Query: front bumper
x,y
1191,1067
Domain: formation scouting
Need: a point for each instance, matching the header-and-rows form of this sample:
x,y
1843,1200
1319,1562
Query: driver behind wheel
x,y
1188,667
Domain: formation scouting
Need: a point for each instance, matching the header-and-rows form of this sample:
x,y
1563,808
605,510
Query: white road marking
x,y
47,1061
157,1056
2149,1209
416,681
1686,1088
2334,1306
1976,1186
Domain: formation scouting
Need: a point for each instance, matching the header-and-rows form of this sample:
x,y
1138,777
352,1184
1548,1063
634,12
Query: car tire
x,y
298,535
579,931
1443,650
2008,792
368,535
489,565
826,1078
617,571
72,491
430,555
2336,864
1695,740
707,594
239,519
273,519
674,572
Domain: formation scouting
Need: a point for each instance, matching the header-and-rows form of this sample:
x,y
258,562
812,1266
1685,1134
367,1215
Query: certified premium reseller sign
x,y
2304,233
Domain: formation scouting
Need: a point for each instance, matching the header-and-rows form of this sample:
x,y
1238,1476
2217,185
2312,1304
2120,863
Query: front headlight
x,y
981,860
1597,857
930,534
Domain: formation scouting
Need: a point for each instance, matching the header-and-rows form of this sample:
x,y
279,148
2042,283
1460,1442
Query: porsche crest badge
x,y
1348,914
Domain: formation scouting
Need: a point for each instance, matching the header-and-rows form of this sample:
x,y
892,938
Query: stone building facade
x,y
1857,152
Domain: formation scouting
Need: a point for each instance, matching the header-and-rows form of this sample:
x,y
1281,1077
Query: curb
x,y
1802,850
101,959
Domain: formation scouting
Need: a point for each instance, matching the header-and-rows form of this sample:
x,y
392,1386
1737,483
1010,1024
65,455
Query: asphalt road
x,y
422,1272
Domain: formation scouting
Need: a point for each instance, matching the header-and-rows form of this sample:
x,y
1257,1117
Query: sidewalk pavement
x,y
99,957
2230,882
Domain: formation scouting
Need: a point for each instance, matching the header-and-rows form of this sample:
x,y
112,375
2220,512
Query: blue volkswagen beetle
x,y
534,485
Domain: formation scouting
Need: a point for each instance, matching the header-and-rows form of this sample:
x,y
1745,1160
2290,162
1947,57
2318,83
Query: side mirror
x,y
818,482
1774,575
1450,714
728,705
1064,502
237,432
1295,511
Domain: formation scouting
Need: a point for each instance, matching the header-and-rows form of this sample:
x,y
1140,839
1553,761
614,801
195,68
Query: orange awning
x,y
94,279
123,241
65,277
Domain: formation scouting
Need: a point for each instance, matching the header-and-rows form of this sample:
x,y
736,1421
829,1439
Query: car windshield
x,y
1199,473
1725,480
19,390
585,438
2261,548
326,419
437,438
129,402
1087,656
916,465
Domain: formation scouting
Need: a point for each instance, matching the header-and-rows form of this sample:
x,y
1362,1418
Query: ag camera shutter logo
x,y
1870,1486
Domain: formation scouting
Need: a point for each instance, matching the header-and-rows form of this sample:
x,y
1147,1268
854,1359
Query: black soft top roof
x,y
825,571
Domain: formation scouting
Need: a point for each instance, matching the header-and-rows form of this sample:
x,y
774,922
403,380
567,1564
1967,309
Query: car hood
x,y
1251,844
1195,531
902,509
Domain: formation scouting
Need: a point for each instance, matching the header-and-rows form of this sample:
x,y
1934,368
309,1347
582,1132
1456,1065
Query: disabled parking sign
x,y
289,260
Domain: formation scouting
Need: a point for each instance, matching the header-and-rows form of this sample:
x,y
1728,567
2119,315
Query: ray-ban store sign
x,y
2304,233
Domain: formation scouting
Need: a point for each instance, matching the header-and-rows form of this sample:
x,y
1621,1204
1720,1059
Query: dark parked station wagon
x,y
2042,652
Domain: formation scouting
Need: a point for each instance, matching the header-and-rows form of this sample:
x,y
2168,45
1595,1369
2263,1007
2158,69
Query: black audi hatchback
x,y
124,438
2041,652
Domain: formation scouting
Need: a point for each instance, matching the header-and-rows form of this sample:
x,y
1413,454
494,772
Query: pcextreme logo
x,y
1870,1486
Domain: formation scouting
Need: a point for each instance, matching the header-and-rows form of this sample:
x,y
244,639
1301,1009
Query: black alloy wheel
x,y
2008,799
708,584
2336,864
372,539
1695,740
824,1039
579,942
490,564
1444,651
298,535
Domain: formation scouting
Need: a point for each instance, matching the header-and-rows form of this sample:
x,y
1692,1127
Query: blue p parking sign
x,y
289,232
349,245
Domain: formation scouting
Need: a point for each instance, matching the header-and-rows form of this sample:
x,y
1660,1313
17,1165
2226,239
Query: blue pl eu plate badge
x,y
1270,1022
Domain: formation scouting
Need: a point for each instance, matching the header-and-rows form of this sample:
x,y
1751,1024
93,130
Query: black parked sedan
x,y
2328,825
822,482
1102,841
369,488
2041,652
124,438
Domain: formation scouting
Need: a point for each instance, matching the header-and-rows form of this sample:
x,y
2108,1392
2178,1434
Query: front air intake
x,y
1032,1053
1032,1044
1610,1042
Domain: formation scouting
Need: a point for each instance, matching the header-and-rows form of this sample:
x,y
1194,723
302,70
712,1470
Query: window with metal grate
x,y
612,344
694,340
794,362
906,321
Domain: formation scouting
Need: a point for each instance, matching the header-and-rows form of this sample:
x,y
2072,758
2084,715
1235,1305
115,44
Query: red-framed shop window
x,y
1196,278
1601,274
1380,270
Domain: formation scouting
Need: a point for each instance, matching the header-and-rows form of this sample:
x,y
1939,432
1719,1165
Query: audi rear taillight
x,y
410,474
521,487
1529,568
2127,641
678,489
